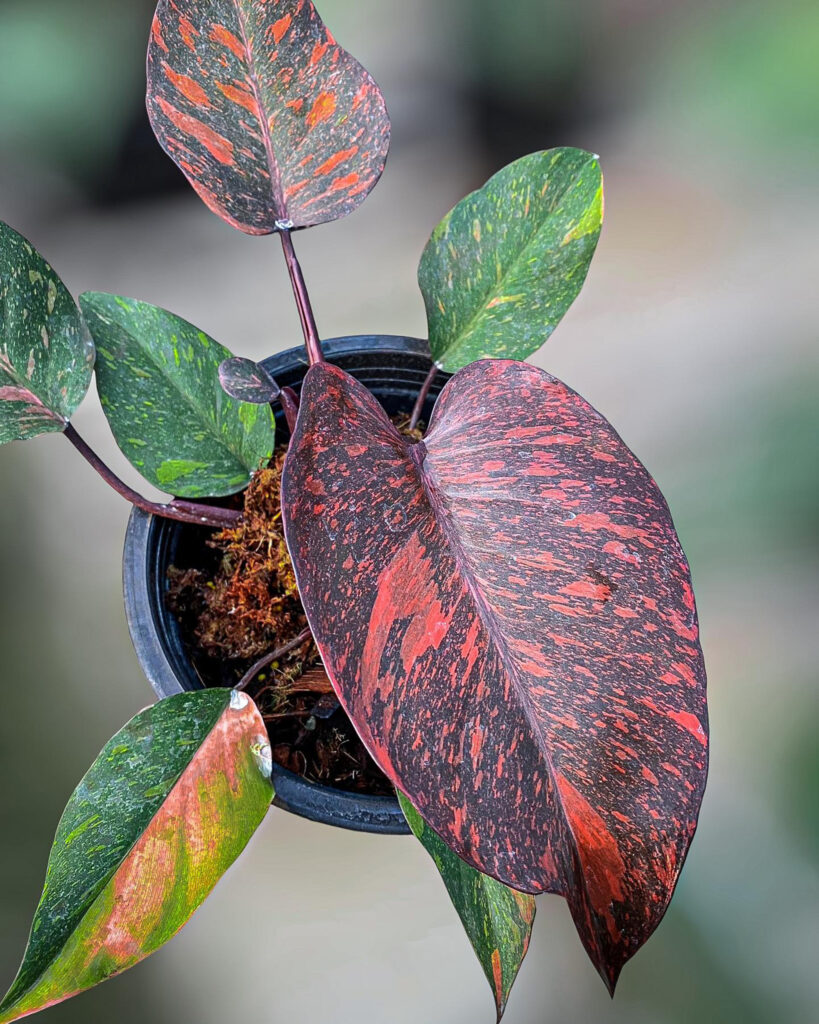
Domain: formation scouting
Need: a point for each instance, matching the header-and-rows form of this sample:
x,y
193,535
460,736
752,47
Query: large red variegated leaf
x,y
506,613
271,121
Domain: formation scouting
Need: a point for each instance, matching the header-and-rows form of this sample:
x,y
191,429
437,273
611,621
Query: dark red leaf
x,y
247,381
271,121
506,613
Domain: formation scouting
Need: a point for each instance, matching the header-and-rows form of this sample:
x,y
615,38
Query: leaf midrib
x,y
272,160
436,498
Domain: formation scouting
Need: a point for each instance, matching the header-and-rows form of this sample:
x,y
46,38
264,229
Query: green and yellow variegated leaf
x,y
498,920
158,381
46,354
163,812
503,267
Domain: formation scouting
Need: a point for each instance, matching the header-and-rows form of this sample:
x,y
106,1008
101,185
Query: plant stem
x,y
181,511
268,659
308,320
422,397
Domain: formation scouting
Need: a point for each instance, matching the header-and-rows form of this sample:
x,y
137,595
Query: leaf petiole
x,y
308,320
181,511
423,395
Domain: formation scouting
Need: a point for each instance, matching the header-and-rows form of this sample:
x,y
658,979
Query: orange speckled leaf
x,y
271,121
506,613
163,812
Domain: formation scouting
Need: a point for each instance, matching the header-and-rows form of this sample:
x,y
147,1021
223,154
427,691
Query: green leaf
x,y
497,919
158,380
46,355
166,808
503,267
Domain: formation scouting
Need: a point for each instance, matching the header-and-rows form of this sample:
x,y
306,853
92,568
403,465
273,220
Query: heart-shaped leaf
x,y
46,355
158,381
247,381
516,252
164,811
271,121
506,613
498,920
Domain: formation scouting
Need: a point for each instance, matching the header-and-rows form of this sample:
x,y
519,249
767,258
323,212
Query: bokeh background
x,y
696,335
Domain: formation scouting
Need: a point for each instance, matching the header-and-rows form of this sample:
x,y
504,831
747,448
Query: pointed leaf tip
x,y
164,811
271,121
247,381
497,920
46,353
503,267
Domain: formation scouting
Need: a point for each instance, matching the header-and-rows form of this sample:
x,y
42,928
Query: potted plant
x,y
393,574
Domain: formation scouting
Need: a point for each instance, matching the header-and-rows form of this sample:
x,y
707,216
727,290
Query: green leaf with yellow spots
x,y
166,808
46,354
503,267
498,920
158,381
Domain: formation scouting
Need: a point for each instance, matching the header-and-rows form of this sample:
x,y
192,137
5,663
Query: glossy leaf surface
x,y
46,356
503,267
158,381
247,381
498,920
166,808
506,613
271,121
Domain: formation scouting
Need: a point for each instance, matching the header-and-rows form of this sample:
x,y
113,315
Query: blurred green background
x,y
696,335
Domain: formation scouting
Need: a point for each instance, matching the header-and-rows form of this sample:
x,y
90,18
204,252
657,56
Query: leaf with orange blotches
x,y
163,812
506,614
271,121
497,920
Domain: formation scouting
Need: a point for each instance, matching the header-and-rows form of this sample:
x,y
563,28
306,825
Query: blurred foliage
x,y
523,51
797,782
69,75
747,74
770,491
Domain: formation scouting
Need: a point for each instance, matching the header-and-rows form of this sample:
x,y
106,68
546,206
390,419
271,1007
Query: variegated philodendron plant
x,y
511,628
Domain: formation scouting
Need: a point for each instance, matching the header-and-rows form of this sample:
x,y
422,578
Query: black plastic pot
x,y
394,369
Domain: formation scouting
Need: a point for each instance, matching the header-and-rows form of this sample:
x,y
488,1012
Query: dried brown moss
x,y
252,604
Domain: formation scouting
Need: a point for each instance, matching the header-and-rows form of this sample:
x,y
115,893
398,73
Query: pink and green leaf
x,y
166,808
271,121
46,354
506,613
497,920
